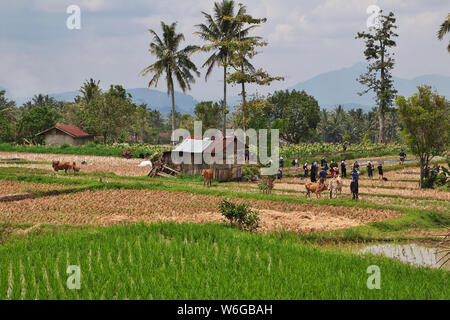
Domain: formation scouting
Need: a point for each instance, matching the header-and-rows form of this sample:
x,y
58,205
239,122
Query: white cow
x,y
335,185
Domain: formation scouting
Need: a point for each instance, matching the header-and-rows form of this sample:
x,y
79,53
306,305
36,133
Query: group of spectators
x,y
314,172
320,173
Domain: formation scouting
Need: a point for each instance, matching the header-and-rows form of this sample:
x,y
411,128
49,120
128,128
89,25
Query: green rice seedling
x,y
184,261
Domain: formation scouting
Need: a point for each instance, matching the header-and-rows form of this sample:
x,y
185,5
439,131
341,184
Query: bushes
x,y
249,170
239,215
308,149
436,179
90,149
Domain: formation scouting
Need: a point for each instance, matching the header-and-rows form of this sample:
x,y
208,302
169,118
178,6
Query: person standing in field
x,y
314,172
334,172
279,174
295,164
324,163
370,170
305,168
402,156
380,171
356,166
323,175
281,163
354,185
344,169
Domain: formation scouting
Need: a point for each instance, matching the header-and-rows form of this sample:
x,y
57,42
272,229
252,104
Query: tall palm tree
x,y
445,28
218,31
90,89
172,61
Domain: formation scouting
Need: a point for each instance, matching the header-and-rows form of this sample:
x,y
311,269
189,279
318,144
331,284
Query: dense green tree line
x,y
114,117
110,115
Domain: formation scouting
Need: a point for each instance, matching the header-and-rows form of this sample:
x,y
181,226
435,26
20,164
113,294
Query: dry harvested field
x,y
374,195
119,166
11,187
116,206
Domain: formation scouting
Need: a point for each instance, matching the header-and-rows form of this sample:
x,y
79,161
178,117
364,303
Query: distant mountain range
x,y
330,89
340,87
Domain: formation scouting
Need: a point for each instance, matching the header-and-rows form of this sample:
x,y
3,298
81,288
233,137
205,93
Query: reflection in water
x,y
408,253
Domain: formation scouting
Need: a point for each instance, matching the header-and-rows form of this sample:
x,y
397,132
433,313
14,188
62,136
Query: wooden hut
x,y
194,148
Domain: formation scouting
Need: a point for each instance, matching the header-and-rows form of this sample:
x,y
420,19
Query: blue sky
x,y
38,54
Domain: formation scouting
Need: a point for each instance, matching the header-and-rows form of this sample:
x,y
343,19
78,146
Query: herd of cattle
x,y
335,184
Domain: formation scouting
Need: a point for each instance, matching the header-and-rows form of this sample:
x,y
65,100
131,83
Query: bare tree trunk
x,y
172,137
422,172
381,119
244,106
224,99
382,108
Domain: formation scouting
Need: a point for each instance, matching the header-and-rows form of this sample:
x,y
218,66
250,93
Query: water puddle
x,y
411,253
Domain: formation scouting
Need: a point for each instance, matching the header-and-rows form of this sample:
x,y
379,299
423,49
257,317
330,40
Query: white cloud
x,y
54,6
283,33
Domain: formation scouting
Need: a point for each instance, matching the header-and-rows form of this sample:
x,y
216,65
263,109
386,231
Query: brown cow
x,y
208,176
315,187
66,166
126,154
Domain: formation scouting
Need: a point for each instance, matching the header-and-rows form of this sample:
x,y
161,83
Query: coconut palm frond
x,y
171,61
444,29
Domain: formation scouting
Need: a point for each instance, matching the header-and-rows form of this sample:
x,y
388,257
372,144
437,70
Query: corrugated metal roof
x,y
193,145
220,144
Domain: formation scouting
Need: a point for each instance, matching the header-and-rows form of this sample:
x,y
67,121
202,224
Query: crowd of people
x,y
320,173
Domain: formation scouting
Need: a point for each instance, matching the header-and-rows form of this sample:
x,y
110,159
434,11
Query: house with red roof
x,y
65,134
